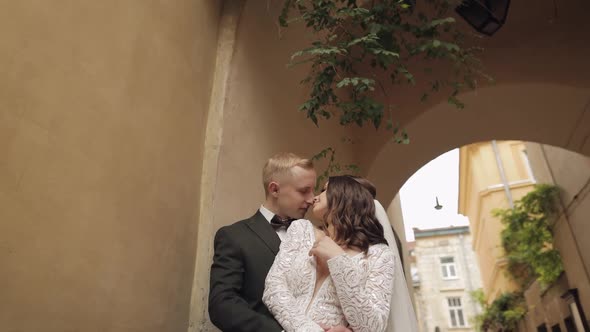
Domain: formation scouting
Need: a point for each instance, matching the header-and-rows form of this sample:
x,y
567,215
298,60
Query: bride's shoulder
x,y
301,225
379,250
301,229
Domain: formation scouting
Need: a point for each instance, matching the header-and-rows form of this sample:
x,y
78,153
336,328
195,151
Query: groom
x,y
245,250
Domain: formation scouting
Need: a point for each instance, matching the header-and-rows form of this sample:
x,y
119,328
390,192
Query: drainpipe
x,y
502,174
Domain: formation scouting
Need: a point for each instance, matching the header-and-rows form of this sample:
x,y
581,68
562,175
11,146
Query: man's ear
x,y
273,189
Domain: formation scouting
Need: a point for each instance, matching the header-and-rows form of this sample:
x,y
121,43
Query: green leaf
x,y
442,21
389,124
316,50
456,102
370,39
362,82
354,44
333,167
527,238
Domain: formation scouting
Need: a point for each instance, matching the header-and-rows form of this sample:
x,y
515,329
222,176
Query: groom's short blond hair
x,y
281,164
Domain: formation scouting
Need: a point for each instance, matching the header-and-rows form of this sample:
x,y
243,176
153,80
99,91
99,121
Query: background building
x,y
445,272
494,175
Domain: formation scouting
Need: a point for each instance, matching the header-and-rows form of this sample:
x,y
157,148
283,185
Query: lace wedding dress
x,y
356,293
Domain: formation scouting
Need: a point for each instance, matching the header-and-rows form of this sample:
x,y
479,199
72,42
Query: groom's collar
x,y
268,214
259,225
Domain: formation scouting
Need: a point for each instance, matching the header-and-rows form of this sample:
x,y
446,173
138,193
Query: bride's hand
x,y
339,328
325,248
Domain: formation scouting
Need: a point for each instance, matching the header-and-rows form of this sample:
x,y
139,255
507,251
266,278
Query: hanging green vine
x,y
527,238
503,314
359,41
333,167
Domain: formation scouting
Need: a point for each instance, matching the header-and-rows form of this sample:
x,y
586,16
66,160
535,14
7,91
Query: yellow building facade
x,y
495,174
492,175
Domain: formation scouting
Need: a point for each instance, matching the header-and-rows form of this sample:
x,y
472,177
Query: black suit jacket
x,y
244,253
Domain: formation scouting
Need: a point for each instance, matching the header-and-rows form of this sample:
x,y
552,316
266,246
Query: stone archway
x,y
258,91
551,114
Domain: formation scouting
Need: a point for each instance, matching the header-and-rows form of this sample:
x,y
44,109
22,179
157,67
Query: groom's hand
x,y
325,248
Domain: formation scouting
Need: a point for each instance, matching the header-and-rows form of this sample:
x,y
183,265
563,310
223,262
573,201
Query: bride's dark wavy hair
x,y
351,210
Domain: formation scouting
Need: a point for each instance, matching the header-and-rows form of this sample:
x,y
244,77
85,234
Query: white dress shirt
x,y
281,232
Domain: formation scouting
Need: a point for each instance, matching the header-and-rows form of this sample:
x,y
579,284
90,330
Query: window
x,y
527,164
448,268
570,326
456,316
555,328
542,328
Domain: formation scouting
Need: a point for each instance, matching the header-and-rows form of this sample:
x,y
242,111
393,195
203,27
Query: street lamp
x,y
485,16
438,206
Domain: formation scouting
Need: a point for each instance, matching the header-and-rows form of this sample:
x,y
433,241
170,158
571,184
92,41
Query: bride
x,y
402,317
341,276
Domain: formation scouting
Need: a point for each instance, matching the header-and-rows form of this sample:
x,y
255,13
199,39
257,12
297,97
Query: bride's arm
x,y
365,305
277,296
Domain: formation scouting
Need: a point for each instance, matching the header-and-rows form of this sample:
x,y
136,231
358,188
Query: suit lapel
x,y
259,225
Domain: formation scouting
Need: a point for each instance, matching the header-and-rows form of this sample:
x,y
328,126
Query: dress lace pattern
x,y
357,293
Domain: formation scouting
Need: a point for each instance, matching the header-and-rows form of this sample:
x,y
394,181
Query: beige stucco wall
x,y
519,111
259,119
102,114
541,94
546,306
102,126
260,115
571,172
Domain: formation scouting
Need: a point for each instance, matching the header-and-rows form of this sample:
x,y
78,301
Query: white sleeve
x,y
277,295
365,295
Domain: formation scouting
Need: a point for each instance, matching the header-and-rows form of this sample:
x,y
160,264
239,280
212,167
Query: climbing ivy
x,y
527,240
527,237
361,44
333,167
503,314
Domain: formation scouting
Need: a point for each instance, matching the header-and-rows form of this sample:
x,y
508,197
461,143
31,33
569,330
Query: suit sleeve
x,y
227,309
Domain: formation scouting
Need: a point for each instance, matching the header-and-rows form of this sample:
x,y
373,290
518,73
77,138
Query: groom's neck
x,y
272,206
